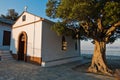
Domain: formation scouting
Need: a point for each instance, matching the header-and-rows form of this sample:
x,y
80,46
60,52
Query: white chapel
x,y
33,41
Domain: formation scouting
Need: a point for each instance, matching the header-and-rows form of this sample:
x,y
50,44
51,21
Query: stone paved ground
x,y
17,70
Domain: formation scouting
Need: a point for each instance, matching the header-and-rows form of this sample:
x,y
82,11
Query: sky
x,y
36,7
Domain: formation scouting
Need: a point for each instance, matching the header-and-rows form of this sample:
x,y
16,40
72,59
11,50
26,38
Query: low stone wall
x,y
111,57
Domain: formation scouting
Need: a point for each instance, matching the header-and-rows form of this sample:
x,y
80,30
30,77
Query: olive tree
x,y
11,14
95,19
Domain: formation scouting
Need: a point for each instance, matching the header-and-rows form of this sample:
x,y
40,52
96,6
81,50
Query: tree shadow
x,y
112,64
115,66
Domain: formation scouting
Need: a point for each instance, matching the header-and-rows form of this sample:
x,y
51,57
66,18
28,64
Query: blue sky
x,y
36,7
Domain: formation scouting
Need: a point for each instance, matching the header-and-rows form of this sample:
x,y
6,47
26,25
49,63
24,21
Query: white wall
x,y
51,45
33,33
29,19
2,28
37,39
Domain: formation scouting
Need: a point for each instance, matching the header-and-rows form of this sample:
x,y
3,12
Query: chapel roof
x,y
7,21
44,19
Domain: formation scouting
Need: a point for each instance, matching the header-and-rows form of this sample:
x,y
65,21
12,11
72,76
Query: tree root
x,y
105,71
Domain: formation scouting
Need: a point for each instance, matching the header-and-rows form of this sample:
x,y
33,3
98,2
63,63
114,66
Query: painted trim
x,y
30,59
26,24
35,60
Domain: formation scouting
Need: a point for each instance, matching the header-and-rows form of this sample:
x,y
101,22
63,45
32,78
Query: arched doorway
x,y
22,47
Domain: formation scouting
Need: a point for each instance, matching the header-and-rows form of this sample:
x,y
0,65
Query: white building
x,y
5,33
34,41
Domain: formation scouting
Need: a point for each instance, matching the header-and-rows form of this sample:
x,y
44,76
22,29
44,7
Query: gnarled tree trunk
x,y
99,59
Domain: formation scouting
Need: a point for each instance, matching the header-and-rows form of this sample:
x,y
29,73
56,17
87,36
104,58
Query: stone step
x,y
3,51
6,56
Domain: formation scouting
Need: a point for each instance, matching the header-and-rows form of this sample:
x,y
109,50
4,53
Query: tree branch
x,y
99,23
85,26
113,28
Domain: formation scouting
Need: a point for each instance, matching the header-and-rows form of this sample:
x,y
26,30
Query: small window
x,y
23,17
64,44
6,38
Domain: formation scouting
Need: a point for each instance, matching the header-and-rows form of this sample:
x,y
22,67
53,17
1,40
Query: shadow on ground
x,y
17,70
112,64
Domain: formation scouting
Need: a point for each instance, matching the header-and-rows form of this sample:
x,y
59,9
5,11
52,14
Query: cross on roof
x,y
25,8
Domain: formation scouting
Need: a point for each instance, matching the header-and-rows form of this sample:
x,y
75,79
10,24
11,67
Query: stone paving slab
x,y
17,70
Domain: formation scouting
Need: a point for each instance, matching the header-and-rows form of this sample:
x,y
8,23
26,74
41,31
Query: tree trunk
x,y
99,59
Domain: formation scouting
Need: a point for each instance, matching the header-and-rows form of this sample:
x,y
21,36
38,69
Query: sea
x,y
108,52
111,49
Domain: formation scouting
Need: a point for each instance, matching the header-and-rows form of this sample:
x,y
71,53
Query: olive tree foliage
x,y
95,19
11,14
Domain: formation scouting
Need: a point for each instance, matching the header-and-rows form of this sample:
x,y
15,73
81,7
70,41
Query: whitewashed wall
x,y
33,33
29,19
2,28
52,54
